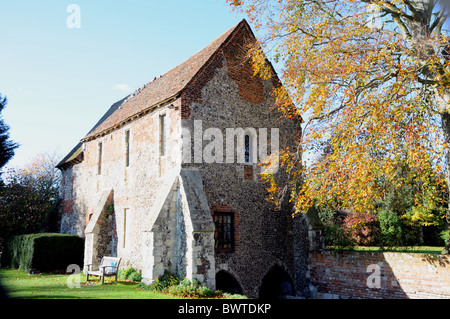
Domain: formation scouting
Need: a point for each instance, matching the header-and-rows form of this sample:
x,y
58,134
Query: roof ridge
x,y
231,32
177,84
158,91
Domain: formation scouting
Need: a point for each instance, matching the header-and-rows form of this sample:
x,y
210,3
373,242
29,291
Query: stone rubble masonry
x,y
169,204
337,275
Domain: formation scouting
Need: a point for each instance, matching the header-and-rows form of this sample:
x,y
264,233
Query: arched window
x,y
247,149
250,146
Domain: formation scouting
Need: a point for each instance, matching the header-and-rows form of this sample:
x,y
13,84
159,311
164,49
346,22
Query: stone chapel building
x,y
138,185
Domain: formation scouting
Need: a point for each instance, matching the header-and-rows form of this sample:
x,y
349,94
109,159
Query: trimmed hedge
x,y
43,252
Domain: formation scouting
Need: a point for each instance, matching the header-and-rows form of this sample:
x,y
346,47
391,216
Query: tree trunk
x,y
445,116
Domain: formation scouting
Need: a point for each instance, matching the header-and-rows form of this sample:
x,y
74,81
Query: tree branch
x,y
413,10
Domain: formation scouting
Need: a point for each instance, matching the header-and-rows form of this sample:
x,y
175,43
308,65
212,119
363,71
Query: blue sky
x,y
59,80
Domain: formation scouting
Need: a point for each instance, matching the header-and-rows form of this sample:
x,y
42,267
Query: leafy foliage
x,y
363,228
162,283
174,285
7,147
370,79
398,220
391,228
192,289
445,235
43,252
130,274
29,199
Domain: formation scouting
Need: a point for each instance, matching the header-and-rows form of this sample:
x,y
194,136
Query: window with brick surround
x,y
224,234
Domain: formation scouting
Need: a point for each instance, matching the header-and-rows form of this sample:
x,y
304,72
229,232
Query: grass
x,y
19,284
412,249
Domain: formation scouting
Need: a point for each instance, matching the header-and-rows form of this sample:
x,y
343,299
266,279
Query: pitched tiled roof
x,y
165,87
160,90
73,154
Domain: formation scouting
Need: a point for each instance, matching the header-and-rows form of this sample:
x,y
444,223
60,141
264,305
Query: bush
x,y
130,274
43,252
338,237
171,283
445,235
233,296
335,235
163,282
135,276
390,228
124,273
363,227
192,289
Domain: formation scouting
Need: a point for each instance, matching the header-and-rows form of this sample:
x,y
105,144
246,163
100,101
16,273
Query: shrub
x,y
334,233
337,236
391,228
445,235
171,283
130,274
124,273
135,276
363,227
163,282
43,252
233,296
192,289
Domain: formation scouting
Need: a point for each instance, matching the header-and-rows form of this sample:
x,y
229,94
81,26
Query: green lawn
x,y
19,284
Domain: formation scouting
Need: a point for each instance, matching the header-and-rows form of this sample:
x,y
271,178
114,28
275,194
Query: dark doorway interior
x,y
227,283
276,284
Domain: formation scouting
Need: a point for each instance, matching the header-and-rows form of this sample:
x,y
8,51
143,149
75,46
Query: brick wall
x,y
377,275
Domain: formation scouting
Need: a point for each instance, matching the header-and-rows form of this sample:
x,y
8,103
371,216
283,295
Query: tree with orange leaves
x,y
371,80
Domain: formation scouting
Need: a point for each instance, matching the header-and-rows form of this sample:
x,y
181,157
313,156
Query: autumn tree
x,y
371,80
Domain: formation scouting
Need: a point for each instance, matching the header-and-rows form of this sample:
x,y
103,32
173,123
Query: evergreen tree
x,y
7,146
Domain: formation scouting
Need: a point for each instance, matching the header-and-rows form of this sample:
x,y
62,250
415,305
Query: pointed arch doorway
x,y
226,282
